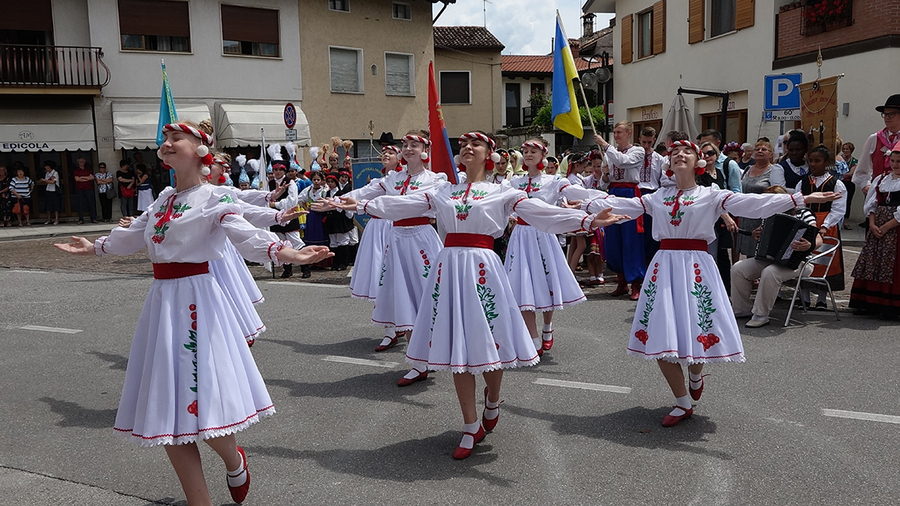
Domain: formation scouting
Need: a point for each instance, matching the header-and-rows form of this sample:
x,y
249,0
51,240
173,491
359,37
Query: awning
x,y
239,124
41,126
135,124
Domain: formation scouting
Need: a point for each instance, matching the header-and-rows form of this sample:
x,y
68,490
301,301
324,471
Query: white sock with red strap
x,y
238,477
468,442
684,403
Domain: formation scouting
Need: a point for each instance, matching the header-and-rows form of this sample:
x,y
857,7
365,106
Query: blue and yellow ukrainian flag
x,y
564,106
167,112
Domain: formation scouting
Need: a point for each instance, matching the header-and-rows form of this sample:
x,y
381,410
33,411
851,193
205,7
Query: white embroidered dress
x,y
683,314
408,252
538,272
190,374
370,254
469,319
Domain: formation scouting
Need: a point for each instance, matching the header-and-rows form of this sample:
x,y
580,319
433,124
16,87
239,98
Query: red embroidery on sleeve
x,y
517,203
582,222
726,200
428,199
641,200
224,215
103,244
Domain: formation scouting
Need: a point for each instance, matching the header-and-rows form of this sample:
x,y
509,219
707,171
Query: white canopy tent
x,y
135,124
238,124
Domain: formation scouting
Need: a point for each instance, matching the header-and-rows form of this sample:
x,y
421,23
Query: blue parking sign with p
x,y
782,92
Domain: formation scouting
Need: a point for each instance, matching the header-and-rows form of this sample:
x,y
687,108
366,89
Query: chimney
x,y
588,24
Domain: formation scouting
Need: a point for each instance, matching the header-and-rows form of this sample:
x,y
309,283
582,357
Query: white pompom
x,y
202,150
456,159
423,155
495,157
701,163
545,162
204,171
159,153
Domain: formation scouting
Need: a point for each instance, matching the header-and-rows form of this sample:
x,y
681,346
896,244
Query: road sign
x,y
290,134
785,115
782,92
290,117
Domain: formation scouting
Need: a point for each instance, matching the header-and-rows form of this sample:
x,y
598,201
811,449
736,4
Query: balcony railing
x,y
52,66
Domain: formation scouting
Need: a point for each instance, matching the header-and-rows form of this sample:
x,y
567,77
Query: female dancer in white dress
x,y
683,315
367,270
190,374
538,273
410,250
470,322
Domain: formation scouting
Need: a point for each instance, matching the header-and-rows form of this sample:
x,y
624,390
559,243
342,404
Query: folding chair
x,y
824,258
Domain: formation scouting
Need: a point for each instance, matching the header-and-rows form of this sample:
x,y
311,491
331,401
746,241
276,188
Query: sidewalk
x,y
64,230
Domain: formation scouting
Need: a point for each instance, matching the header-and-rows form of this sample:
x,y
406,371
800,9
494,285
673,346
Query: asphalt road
x,y
345,434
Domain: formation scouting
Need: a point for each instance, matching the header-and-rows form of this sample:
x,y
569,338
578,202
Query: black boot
x,y
288,271
307,272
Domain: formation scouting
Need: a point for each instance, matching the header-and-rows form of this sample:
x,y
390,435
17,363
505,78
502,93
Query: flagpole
x,y
586,106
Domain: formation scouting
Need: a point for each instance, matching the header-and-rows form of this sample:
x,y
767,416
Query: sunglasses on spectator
x,y
710,153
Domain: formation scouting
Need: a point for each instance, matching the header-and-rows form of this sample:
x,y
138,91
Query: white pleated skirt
x,y
538,273
408,258
684,314
469,319
240,291
190,374
369,257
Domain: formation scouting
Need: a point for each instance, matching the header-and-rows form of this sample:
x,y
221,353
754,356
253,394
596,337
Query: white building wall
x,y
71,26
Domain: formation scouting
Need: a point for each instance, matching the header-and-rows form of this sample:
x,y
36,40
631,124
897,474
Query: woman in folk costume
x,y
410,250
190,374
828,216
367,270
314,233
286,201
596,257
577,162
538,274
683,315
471,322
502,170
876,283
338,225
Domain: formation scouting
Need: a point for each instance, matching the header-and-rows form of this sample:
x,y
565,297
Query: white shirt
x,y
886,183
838,207
625,166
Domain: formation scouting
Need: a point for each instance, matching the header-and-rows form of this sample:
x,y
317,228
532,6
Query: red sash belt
x,y
179,270
637,193
520,221
684,244
469,241
412,222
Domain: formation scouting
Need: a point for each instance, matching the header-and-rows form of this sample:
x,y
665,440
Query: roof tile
x,y
466,37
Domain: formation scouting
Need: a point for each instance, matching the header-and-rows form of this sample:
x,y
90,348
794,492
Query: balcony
x,y
52,69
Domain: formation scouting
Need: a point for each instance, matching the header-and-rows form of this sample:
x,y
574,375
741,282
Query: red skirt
x,y
876,283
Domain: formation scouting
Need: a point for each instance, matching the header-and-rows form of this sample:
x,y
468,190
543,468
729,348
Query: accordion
x,y
779,231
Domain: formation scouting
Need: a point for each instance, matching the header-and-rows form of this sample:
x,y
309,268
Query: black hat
x,y
893,102
387,138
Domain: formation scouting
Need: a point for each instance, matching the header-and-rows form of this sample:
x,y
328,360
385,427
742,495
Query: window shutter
x,y
695,21
627,39
31,15
659,27
248,24
396,75
745,14
344,70
154,17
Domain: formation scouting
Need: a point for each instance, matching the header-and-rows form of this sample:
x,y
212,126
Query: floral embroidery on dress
x,y
486,296
383,267
426,262
167,212
705,310
191,346
650,292
462,211
227,199
675,202
435,295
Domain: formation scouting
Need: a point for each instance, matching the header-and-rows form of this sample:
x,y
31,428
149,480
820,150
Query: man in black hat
x,y
877,149
386,139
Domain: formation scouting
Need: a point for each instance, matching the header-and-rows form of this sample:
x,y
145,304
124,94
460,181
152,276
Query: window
x,y
249,31
399,75
401,11
339,5
721,17
645,34
455,87
155,25
346,70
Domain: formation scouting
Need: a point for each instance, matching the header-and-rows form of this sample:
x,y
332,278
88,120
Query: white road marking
x,y
583,386
858,415
302,283
59,330
360,361
23,271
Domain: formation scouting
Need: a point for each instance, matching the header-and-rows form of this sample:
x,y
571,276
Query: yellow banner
x,y
818,111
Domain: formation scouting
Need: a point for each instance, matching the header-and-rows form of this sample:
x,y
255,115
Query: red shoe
x,y
621,289
545,343
383,347
250,342
405,382
635,291
540,351
463,453
238,494
695,394
489,424
671,421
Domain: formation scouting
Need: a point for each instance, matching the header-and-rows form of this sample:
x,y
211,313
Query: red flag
x,y
441,152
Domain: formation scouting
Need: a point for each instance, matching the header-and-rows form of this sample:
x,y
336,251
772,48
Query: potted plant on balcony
x,y
823,15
